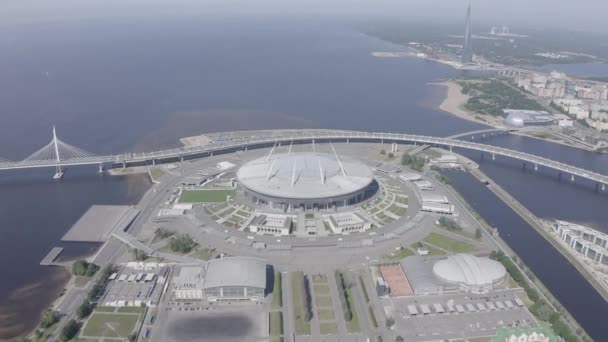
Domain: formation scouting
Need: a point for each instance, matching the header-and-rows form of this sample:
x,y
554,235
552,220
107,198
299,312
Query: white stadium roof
x,y
305,175
235,271
469,270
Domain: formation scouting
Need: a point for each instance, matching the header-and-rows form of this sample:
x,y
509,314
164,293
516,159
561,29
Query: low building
x,y
434,198
470,273
438,208
279,225
224,165
445,159
527,118
587,242
235,279
410,177
344,223
424,185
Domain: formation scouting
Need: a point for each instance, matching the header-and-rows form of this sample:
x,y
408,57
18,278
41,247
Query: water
x,y
558,275
113,85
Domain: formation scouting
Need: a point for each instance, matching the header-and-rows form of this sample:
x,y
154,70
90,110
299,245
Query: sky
x,y
576,15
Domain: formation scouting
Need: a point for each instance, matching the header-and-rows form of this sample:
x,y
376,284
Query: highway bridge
x,y
59,155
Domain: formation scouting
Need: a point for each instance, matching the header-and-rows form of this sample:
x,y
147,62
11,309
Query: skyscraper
x,y
467,48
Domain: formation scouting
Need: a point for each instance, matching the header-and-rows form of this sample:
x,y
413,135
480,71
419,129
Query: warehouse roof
x,y
236,271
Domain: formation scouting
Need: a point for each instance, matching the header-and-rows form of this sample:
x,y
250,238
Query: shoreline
x,y
453,103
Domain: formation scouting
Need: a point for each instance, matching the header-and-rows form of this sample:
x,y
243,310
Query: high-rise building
x,y
467,47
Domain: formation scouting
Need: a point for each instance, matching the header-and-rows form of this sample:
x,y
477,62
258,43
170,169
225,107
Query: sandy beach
x,y
454,101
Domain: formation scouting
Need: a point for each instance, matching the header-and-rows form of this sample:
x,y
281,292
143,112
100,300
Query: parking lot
x,y
198,322
437,317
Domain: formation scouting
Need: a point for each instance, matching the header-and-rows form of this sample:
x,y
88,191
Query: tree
x,y
69,330
391,155
478,233
83,268
49,318
399,339
84,310
382,151
390,322
133,337
139,255
182,244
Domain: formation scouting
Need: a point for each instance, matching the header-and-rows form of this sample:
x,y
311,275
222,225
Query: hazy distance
x,y
574,15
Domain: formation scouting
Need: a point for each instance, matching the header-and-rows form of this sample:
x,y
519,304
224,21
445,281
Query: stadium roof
x,y
469,270
304,175
235,271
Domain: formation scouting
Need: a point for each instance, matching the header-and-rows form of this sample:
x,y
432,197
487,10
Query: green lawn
x,y
352,325
302,327
363,289
449,244
203,253
200,196
110,325
131,309
319,278
276,323
326,314
328,328
372,317
400,254
277,291
323,301
321,289
432,250
105,309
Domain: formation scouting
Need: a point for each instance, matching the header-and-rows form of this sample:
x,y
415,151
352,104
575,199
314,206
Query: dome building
x,y
470,273
305,180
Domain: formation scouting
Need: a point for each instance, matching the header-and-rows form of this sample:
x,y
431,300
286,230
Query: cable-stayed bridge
x,y
59,155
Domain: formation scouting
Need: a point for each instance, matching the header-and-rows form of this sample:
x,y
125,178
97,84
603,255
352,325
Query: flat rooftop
x,y
98,223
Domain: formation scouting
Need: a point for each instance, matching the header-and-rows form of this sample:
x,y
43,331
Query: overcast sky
x,y
571,14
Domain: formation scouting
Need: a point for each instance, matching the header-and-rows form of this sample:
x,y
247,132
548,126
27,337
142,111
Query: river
x,y
114,84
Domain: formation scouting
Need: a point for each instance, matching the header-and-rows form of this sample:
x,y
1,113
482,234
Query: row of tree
x,y
540,308
343,285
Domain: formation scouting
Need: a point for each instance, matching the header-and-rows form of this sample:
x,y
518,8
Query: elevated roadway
x,y
229,142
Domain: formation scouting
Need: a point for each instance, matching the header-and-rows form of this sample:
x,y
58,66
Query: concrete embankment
x,y
536,223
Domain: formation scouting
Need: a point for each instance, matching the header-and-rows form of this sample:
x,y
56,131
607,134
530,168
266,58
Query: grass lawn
x,y
200,196
323,301
276,323
328,328
302,327
363,289
321,289
352,325
203,253
277,292
105,309
110,325
326,315
319,278
449,244
131,309
432,250
372,317
400,254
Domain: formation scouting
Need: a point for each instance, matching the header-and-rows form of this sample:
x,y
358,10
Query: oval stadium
x,y
305,180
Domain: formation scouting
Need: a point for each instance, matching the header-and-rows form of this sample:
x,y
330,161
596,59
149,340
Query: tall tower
x,y
467,47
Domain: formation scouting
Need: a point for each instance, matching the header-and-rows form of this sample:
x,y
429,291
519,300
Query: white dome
x,y
305,175
469,270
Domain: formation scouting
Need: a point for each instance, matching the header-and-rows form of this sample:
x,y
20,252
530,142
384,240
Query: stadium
x,y
305,180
